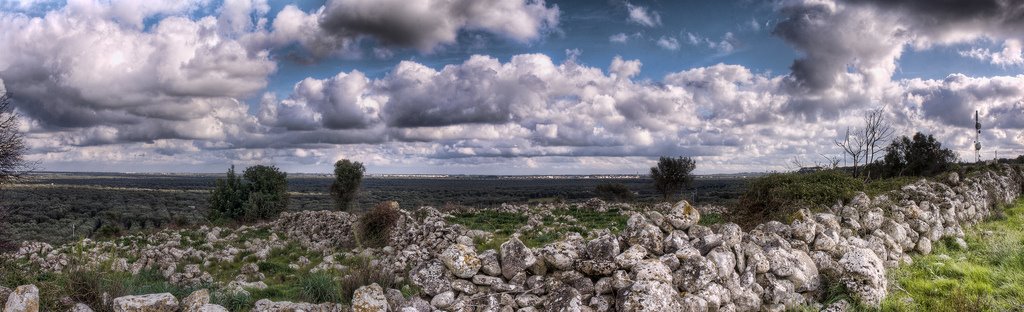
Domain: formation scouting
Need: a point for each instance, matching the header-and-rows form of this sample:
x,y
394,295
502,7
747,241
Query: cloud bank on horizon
x,y
498,86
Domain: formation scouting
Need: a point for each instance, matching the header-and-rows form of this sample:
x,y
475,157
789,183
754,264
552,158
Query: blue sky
x,y
506,87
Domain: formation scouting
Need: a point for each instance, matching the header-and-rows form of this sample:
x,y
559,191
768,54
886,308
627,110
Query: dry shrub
x,y
363,273
374,228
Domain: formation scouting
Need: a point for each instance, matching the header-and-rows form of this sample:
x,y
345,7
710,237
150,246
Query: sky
x,y
501,86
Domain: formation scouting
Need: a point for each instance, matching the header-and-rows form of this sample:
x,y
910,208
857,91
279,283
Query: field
x,y
59,207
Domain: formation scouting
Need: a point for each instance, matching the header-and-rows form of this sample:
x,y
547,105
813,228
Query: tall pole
x,y
977,137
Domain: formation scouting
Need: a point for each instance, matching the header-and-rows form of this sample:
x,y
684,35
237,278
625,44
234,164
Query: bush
x,y
672,175
918,156
362,273
613,192
776,196
374,228
263,194
347,177
319,288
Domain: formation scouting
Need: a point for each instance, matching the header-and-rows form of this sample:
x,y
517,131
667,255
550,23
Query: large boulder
x,y
683,215
370,299
164,302
461,260
864,276
25,298
432,277
515,257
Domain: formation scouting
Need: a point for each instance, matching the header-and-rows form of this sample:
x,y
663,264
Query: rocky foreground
x,y
662,261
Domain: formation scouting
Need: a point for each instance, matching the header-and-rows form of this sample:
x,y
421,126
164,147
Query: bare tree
x,y
12,143
853,146
876,130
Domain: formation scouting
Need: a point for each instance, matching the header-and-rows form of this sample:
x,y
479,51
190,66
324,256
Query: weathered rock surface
x,y
369,299
25,298
864,276
164,302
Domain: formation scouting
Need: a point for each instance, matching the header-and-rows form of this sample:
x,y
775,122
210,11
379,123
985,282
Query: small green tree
x,y
347,177
261,193
672,175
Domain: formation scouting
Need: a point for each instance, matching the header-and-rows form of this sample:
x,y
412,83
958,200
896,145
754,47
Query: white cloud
x,y
619,38
1011,55
641,15
668,43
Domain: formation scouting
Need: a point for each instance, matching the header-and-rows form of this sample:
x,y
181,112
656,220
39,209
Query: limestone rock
x,y
515,257
369,298
432,277
650,296
864,276
640,232
489,262
605,247
652,270
25,298
682,215
163,302
81,307
461,260
195,301
631,256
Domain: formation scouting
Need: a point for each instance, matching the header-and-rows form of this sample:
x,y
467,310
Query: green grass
x,y
882,186
987,276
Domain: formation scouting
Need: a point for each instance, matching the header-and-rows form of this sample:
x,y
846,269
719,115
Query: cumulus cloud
x,y
619,38
84,67
1011,55
641,15
425,24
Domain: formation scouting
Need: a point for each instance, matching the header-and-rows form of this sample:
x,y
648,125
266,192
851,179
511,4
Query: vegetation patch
x,y
987,276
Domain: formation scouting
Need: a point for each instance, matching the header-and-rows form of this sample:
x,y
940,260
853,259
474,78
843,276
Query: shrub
x,y
89,287
672,175
613,192
363,273
374,228
776,196
918,156
319,288
347,177
262,194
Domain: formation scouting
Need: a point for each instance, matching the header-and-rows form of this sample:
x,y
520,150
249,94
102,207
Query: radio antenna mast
x,y
977,137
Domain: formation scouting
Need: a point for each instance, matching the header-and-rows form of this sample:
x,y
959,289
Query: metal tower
x,y
977,137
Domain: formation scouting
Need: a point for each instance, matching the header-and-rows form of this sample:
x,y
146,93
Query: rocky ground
x,y
628,259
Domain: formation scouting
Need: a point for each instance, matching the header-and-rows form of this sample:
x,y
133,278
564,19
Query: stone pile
x,y
666,261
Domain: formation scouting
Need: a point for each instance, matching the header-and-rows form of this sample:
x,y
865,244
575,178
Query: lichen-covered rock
x,y
605,247
515,257
163,302
565,299
432,277
640,232
265,305
864,276
369,299
694,273
561,255
682,215
443,300
461,260
211,308
81,307
24,298
724,260
652,270
489,263
631,256
653,296
195,301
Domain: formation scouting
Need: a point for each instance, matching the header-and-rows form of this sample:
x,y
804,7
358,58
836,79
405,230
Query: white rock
x,y
369,299
461,260
25,298
864,276
164,302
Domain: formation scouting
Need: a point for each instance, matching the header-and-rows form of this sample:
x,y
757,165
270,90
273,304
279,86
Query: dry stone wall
x,y
665,261
662,261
